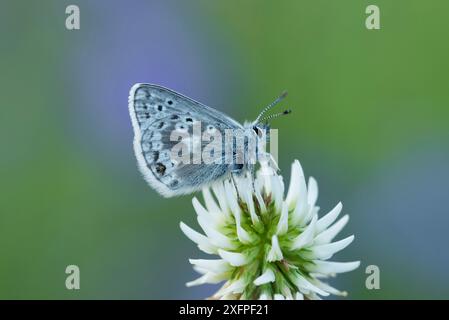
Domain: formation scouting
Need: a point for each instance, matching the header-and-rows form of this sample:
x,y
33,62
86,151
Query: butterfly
x,y
157,113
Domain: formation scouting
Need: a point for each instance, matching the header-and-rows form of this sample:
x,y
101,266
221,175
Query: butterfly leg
x,y
234,182
272,162
252,174
239,200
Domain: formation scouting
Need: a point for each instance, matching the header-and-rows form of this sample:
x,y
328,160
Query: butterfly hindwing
x,y
156,113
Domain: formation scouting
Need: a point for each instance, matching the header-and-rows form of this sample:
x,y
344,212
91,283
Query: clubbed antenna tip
x,y
283,94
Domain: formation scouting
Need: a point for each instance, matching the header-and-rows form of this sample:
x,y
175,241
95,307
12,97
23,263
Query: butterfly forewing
x,y
156,113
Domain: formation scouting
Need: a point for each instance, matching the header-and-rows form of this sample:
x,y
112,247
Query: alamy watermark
x,y
372,282
72,282
72,21
210,145
372,21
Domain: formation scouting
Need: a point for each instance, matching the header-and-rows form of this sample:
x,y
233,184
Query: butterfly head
x,y
261,130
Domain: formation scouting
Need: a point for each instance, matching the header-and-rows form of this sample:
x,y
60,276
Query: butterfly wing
x,y
155,113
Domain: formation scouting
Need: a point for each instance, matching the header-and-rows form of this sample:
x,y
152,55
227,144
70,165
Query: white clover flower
x,y
268,247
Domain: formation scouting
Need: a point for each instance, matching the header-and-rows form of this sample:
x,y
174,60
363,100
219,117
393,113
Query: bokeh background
x,y
370,123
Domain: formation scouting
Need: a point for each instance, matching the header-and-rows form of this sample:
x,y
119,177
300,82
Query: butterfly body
x,y
158,113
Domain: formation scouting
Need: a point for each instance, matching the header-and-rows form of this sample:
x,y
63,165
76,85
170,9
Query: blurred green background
x,y
370,123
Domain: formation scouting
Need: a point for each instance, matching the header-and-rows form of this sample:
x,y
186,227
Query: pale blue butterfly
x,y
156,112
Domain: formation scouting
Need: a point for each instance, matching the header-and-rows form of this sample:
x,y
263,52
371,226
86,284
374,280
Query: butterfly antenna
x,y
271,105
272,116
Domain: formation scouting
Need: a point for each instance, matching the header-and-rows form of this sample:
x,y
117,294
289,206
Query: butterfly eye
x,y
258,131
